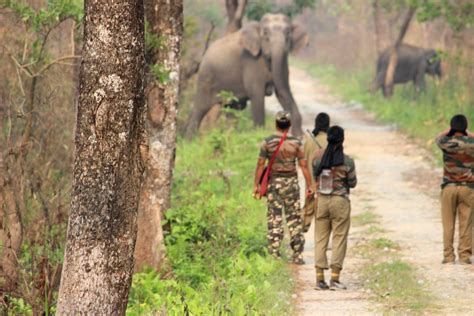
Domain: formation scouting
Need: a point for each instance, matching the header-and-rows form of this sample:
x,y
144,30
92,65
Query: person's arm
x,y
258,175
307,177
352,176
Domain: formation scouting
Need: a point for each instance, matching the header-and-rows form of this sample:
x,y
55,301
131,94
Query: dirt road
x,y
399,183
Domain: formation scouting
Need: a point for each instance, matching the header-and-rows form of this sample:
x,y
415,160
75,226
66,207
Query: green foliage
x,y
422,116
227,97
55,11
217,243
256,9
458,14
159,72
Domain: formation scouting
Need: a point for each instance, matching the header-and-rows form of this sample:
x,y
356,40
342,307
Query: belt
x,y
456,184
283,174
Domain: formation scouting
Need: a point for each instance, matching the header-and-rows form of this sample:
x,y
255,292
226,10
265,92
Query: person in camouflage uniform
x,y
283,196
334,209
457,195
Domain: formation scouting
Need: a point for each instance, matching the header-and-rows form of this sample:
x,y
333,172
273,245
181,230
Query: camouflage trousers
x,y
283,197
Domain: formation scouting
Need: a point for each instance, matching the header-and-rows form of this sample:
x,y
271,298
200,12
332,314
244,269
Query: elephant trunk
x,y
280,73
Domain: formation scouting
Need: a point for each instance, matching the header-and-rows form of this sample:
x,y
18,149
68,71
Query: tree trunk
x,y
165,18
98,263
392,64
11,229
235,13
377,26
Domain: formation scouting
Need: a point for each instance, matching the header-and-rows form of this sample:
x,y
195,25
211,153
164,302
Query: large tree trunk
x,y
392,64
165,18
235,14
98,263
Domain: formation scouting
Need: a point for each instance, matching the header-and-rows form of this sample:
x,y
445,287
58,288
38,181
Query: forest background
x,y
215,261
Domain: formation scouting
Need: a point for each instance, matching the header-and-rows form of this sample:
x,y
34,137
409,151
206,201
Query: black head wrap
x,y
334,154
321,123
458,125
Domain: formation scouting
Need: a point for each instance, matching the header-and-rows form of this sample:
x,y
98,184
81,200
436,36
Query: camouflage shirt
x,y
285,160
344,177
458,157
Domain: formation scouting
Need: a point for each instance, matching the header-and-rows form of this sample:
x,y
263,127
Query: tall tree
x,y
377,25
392,64
98,263
235,14
165,20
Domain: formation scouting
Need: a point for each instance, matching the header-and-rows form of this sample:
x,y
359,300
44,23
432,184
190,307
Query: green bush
x,y
217,243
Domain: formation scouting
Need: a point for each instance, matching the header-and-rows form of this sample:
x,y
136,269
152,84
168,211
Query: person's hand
x,y
256,194
469,133
309,192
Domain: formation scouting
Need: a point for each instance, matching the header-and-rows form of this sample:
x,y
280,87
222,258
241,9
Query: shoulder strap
x,y
272,159
314,139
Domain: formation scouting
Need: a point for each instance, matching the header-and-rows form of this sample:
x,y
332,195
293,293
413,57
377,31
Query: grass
x,y
422,116
217,246
391,281
364,218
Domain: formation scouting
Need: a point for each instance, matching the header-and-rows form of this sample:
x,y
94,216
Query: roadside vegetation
x,y
422,116
217,245
389,279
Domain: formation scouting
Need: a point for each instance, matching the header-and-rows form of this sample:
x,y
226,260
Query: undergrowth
x,y
422,116
217,244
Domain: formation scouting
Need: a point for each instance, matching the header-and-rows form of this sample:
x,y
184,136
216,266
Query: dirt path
x,y
399,182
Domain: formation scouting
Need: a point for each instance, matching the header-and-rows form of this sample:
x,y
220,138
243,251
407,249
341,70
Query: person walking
x,y
457,195
335,175
282,151
315,142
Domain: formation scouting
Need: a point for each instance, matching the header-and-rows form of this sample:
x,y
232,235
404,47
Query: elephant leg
x,y
288,104
257,100
203,103
419,83
378,82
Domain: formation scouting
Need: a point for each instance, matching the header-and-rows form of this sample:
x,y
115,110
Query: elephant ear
x,y
299,38
250,38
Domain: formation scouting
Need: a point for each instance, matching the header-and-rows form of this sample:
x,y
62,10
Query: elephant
x,y
412,64
251,63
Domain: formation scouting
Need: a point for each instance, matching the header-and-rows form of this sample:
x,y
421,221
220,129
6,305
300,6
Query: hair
x,y
283,125
458,125
335,135
321,123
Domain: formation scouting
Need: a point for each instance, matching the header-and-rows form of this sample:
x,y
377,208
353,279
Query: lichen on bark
x,y
101,236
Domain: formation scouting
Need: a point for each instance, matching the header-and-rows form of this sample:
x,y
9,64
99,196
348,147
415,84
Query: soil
x,y
399,182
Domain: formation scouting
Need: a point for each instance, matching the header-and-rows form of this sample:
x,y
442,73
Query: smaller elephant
x,y
412,65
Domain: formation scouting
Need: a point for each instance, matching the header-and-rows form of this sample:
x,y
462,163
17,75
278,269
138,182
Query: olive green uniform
x,y
333,215
311,148
283,197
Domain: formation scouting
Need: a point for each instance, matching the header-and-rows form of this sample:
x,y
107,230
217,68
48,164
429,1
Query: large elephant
x,y
412,65
250,63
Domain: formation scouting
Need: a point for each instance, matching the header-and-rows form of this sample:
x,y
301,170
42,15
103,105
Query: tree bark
x,y
235,13
11,229
377,26
98,263
165,18
392,64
